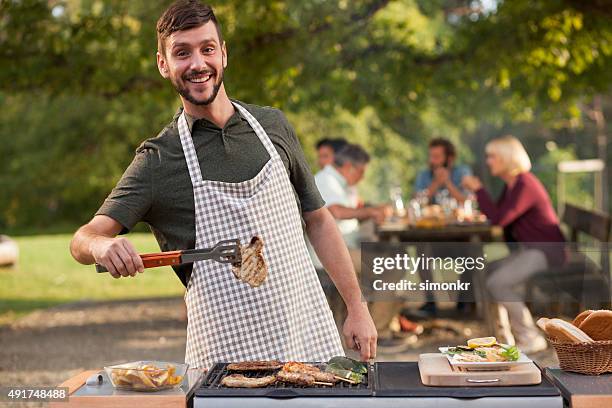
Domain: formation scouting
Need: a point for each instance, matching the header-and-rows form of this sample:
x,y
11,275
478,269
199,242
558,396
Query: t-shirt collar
x,y
233,120
331,169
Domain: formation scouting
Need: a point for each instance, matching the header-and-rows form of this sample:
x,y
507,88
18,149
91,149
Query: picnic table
x,y
473,232
476,233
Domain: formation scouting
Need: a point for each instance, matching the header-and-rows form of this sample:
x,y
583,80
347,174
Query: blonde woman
x,y
525,211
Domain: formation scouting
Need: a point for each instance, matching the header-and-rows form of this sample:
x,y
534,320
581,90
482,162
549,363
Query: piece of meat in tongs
x,y
241,381
253,268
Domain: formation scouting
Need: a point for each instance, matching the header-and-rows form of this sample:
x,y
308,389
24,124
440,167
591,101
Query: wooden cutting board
x,y
84,396
437,372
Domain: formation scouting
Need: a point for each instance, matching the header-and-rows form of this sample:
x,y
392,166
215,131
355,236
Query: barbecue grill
x,y
393,384
212,386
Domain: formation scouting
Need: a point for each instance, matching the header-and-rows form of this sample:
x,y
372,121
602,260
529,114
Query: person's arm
x,y
422,184
341,212
455,192
96,242
514,204
359,330
126,205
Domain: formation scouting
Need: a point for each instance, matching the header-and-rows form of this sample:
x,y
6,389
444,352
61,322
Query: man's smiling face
x,y
194,61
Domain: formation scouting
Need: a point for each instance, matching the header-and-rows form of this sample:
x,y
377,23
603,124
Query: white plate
x,y
486,365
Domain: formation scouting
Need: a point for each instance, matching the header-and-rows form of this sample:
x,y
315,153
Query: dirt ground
x,y
48,346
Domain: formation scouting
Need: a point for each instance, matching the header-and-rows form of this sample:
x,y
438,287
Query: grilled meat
x,y
253,268
255,366
295,367
324,377
240,381
295,378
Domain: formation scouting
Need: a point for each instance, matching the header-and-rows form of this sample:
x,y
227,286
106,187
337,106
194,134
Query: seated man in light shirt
x,y
443,173
336,183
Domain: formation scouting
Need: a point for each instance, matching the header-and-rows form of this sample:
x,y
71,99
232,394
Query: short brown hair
x,y
184,15
447,145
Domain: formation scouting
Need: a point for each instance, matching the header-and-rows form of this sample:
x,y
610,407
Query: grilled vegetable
x,y
342,373
348,364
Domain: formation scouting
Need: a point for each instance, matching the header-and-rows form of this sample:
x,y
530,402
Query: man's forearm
x,y
334,255
341,212
432,189
455,192
80,246
100,228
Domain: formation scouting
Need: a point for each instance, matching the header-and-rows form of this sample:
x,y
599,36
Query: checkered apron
x,y
287,317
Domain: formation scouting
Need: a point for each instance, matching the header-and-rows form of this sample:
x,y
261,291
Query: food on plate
x,y
565,332
485,349
482,342
145,377
295,367
295,378
580,317
598,325
263,365
253,268
241,381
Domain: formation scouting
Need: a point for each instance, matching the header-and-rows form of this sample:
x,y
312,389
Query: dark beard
x,y
184,92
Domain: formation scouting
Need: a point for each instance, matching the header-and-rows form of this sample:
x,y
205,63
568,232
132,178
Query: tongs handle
x,y
153,260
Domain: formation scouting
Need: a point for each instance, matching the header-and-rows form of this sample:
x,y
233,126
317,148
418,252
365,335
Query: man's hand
x,y
441,175
117,255
360,332
471,183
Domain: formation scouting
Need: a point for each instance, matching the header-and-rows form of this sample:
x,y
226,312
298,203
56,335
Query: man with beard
x,y
223,169
442,179
443,175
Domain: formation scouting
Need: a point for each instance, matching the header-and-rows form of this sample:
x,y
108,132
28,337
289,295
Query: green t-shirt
x,y
157,190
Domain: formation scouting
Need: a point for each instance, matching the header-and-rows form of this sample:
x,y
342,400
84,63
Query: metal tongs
x,y
227,251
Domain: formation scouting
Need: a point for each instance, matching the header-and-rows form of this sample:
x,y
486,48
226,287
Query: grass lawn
x,y
47,275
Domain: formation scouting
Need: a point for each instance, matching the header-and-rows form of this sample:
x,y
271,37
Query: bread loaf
x,y
566,332
580,318
541,323
598,325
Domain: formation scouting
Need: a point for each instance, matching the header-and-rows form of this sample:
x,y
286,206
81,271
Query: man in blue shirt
x,y
441,178
442,174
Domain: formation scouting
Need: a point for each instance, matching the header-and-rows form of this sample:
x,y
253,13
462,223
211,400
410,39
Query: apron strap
x,y
259,131
193,164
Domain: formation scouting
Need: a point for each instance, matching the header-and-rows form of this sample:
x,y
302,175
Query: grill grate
x,y
212,386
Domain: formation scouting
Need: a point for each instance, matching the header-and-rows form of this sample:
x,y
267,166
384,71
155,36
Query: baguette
x,y
566,332
580,318
598,325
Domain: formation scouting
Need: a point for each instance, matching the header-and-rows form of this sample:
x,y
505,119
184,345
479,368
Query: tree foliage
x,y
79,88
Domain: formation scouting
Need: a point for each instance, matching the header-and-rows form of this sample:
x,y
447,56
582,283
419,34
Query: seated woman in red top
x,y
525,212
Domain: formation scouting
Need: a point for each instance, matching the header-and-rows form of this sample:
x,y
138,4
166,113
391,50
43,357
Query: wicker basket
x,y
585,358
